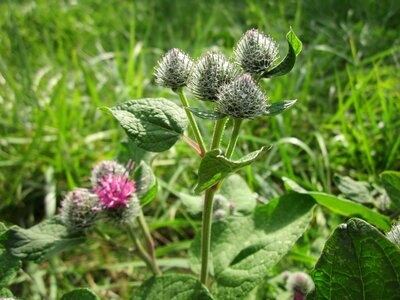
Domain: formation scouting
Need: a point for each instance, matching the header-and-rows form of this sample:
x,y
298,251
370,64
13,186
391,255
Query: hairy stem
x,y
234,137
149,240
218,131
141,251
206,233
192,121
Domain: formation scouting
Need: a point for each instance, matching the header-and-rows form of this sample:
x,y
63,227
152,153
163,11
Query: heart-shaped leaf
x,y
279,107
216,166
152,124
206,113
357,262
244,248
40,241
287,64
172,287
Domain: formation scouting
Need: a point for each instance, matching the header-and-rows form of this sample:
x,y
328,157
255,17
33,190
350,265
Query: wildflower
x,y
242,99
105,168
300,284
79,209
117,196
211,71
256,52
173,69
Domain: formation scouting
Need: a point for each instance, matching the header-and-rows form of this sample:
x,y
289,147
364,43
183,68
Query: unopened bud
x,y
173,69
79,209
256,52
211,71
242,99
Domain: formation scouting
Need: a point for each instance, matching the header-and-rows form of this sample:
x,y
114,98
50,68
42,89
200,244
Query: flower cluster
x,y
215,78
113,194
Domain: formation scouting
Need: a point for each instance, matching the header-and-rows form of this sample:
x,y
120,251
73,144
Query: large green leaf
x,y
39,241
152,124
206,113
391,182
172,287
80,294
287,64
243,249
279,107
215,166
357,262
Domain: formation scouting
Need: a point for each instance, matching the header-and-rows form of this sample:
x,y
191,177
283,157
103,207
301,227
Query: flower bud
x,y
79,209
211,71
256,52
105,168
394,235
300,283
242,99
173,69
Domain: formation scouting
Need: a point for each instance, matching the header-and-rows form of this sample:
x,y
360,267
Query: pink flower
x,y
115,190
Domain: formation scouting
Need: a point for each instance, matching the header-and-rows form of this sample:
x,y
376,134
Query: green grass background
x,y
61,60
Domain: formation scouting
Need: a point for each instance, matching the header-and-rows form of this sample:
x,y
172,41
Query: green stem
x,y
192,121
206,233
234,137
149,240
218,131
140,250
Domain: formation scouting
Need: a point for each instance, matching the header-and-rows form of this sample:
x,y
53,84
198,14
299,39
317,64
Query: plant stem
x,y
149,240
218,131
234,137
206,233
141,252
192,121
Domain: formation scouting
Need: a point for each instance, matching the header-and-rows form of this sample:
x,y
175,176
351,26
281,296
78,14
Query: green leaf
x,y
146,183
9,266
349,208
6,293
172,287
40,241
279,107
206,113
152,124
391,183
289,61
215,166
358,191
357,262
129,151
80,294
236,191
244,249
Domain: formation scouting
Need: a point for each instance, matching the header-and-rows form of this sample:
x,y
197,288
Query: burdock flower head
x,y
173,69
256,52
104,168
117,196
211,71
79,209
300,284
242,99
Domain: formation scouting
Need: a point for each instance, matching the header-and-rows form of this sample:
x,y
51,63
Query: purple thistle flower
x,y
115,190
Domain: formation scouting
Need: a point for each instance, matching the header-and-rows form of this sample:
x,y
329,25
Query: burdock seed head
x,y
173,69
242,99
210,72
79,209
256,52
